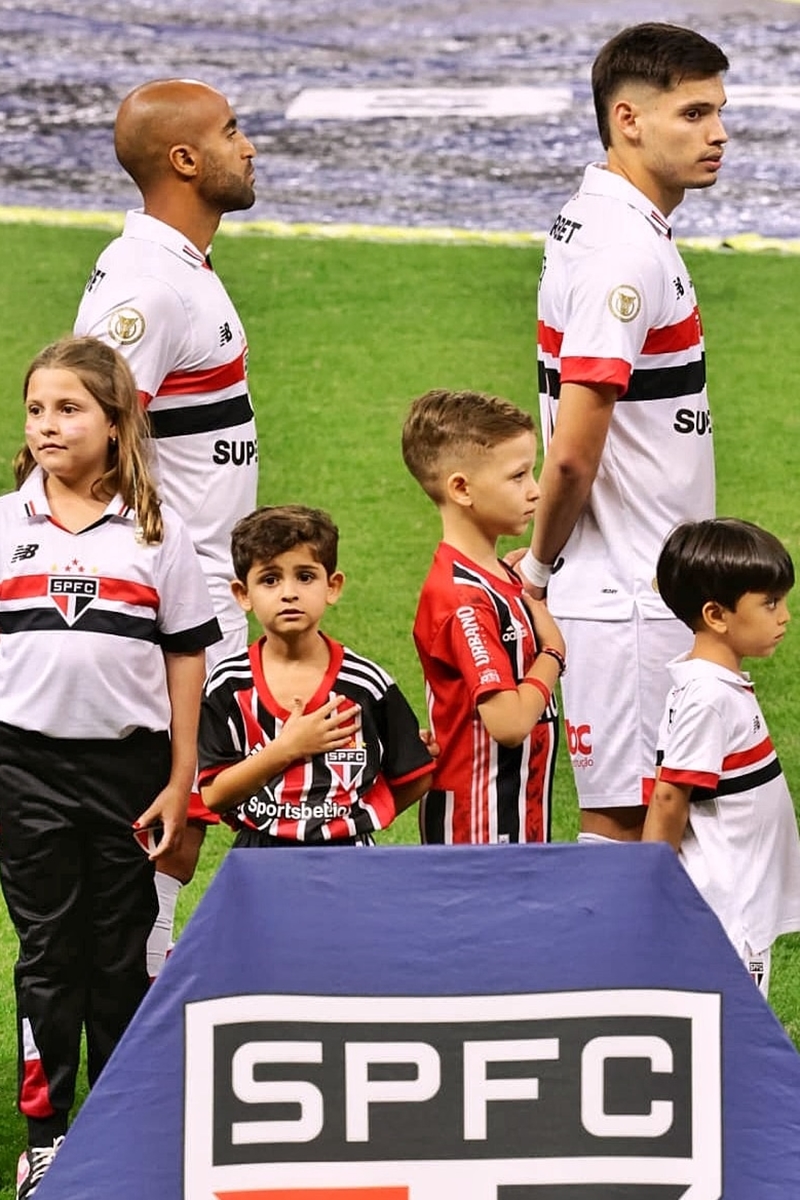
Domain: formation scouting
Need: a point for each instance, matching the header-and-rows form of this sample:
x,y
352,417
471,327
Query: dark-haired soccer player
x,y
624,410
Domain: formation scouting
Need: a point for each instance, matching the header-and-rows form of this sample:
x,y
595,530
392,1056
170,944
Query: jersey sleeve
x,y
186,620
611,306
693,742
404,755
148,323
218,738
469,641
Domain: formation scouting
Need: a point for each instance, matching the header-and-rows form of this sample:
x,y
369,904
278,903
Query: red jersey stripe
x,y
549,339
746,758
26,587
186,383
674,338
596,370
701,779
126,592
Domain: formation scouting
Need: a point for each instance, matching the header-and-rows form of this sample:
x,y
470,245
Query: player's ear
x,y
624,118
714,616
240,595
457,489
184,161
335,585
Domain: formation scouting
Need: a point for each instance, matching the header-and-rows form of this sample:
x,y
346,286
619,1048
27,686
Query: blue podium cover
x,y
419,1023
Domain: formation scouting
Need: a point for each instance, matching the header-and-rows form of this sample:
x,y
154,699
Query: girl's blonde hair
x,y
107,377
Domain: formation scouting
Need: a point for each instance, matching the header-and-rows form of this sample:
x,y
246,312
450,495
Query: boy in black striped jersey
x,y
301,740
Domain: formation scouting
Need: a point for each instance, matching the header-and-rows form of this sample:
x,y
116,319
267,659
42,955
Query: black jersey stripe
x,y
750,780
200,418
656,383
667,383
91,620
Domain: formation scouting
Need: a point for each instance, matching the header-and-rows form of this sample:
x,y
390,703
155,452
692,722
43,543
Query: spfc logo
x,y
569,1096
71,595
348,764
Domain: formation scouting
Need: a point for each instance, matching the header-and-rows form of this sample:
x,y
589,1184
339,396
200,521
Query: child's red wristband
x,y
540,686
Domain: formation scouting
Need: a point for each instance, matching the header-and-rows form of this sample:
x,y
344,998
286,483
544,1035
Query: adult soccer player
x,y
154,295
624,410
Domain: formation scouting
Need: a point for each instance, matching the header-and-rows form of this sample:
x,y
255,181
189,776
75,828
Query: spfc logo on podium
x,y
554,1096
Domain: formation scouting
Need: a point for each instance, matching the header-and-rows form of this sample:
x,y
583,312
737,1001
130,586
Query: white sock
x,y
596,839
160,941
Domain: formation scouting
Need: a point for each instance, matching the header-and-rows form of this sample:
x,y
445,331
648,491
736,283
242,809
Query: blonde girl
x,y
104,620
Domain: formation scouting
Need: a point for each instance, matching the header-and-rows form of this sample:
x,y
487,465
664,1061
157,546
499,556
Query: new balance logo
x,y
24,551
679,288
225,334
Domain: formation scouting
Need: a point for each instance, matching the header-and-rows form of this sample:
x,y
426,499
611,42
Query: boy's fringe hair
x,y
443,426
107,377
273,529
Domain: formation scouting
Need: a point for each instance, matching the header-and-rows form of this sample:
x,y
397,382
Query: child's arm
x,y
406,794
510,715
185,675
302,736
667,814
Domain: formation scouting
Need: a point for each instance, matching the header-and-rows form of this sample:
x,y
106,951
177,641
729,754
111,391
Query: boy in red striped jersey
x,y
720,797
490,656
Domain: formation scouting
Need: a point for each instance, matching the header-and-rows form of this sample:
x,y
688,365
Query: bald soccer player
x,y
154,295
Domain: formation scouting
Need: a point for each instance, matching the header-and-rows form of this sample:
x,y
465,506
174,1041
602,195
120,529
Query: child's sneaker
x,y
32,1165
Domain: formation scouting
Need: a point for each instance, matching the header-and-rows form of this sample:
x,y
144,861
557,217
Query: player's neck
x,y
715,649
307,646
192,219
666,199
74,507
470,539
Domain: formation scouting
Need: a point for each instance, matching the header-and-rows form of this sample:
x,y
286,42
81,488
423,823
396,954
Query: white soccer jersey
x,y
85,618
741,846
153,295
616,305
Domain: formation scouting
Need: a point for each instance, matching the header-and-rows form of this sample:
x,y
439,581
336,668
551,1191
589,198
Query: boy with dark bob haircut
x,y
302,741
720,797
490,657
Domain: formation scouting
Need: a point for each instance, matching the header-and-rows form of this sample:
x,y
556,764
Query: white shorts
x,y
613,699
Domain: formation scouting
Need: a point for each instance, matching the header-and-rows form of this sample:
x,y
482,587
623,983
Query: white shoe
x,y
32,1165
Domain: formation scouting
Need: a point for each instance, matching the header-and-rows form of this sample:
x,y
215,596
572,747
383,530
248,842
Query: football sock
x,y
160,940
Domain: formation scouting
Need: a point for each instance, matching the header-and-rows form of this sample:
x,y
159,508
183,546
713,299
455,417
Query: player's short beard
x,y
226,191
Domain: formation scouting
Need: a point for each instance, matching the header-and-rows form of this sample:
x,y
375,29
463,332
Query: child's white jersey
x,y
617,306
153,296
741,846
85,618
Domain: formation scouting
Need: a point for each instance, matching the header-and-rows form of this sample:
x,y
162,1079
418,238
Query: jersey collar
x,y
35,506
599,181
138,224
684,669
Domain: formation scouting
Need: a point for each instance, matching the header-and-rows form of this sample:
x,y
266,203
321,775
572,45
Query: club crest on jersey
x,y
126,326
347,765
72,595
625,302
